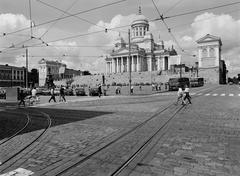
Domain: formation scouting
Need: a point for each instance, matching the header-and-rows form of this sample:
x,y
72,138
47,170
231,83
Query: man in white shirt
x,y
187,95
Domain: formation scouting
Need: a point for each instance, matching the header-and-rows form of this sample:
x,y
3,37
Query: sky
x,y
80,40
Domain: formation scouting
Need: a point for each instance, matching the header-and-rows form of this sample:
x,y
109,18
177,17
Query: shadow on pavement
x,y
12,121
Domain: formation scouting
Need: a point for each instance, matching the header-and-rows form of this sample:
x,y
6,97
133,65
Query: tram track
x,y
18,131
82,158
11,159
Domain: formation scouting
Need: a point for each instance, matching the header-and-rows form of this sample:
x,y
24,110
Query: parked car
x,y
93,91
69,92
80,91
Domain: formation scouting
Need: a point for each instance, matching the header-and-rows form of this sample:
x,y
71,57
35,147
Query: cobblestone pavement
x,y
81,126
202,141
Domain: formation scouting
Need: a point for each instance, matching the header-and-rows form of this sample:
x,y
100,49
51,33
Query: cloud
x,y
225,27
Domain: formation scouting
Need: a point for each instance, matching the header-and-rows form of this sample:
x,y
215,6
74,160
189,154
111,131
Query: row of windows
x,y
211,52
139,31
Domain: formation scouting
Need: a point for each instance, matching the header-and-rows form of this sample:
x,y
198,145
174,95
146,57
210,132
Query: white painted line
x,y
231,95
192,93
18,172
214,95
199,94
207,94
239,95
223,94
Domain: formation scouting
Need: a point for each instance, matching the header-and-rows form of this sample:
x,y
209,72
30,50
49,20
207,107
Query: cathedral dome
x,y
140,19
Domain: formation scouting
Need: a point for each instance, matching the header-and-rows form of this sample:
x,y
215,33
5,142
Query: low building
x,y
12,76
54,70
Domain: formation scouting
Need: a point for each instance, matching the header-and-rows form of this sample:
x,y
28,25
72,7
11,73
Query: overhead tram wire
x,y
197,11
168,28
173,6
205,19
38,45
65,12
57,19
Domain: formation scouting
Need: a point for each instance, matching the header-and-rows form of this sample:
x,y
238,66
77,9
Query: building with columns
x,y
145,54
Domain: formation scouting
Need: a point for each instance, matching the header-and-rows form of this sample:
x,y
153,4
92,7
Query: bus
x,y
175,83
196,82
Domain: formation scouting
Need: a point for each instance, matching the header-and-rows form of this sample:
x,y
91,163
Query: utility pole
x,y
26,67
129,65
180,70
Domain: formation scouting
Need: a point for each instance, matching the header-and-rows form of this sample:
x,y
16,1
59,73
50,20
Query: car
x,y
68,92
80,91
93,91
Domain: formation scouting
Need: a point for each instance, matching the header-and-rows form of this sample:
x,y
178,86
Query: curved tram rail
x,y
10,161
17,132
77,162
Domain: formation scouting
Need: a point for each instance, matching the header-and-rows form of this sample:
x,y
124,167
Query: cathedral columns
x,y
113,65
122,66
138,64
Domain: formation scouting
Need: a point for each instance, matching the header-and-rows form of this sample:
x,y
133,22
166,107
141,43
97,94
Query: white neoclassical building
x,y
145,54
209,51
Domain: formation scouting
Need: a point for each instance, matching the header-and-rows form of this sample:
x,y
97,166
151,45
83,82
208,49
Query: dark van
x,y
175,83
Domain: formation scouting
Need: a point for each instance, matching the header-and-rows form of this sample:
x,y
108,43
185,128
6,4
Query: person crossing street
x,y
187,95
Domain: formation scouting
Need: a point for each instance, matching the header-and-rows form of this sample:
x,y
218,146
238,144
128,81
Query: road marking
x,y
238,94
214,95
19,171
207,94
231,95
223,94
199,94
192,93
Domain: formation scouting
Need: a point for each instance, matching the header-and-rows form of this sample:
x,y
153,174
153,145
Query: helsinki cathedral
x,y
145,54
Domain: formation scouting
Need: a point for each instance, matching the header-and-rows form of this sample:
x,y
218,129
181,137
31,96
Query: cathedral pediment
x,y
209,38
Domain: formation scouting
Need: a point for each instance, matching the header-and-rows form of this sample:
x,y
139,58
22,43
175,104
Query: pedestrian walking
x,y
179,95
131,89
187,95
99,90
34,95
21,98
52,95
62,94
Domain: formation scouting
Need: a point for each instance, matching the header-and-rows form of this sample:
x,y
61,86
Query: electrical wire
x,y
169,29
57,19
201,10
173,6
65,12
